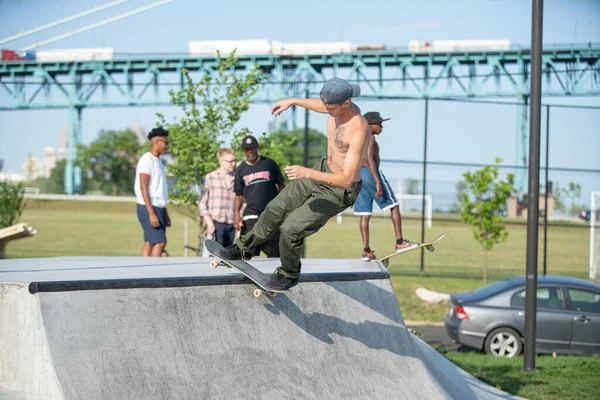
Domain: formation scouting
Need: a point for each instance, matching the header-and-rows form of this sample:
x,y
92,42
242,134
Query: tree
x,y
570,193
11,207
293,145
55,183
276,148
111,161
212,107
412,186
461,188
482,205
31,168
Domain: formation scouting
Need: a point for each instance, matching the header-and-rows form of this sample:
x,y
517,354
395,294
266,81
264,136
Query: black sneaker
x,y
281,282
232,252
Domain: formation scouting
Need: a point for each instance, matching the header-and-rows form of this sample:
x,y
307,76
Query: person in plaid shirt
x,y
217,199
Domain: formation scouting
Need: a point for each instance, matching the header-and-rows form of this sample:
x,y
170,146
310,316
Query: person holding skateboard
x,y
376,187
314,195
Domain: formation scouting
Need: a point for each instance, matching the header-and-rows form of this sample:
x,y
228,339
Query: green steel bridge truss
x,y
145,81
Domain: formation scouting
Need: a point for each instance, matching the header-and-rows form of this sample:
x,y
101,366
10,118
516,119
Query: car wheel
x,y
503,342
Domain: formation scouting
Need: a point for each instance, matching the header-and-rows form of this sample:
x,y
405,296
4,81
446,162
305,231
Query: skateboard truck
x,y
257,292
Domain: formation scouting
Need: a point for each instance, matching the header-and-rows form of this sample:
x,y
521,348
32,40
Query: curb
x,y
423,323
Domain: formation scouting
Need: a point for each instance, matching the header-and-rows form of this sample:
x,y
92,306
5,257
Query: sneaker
x,y
368,255
404,245
281,282
232,252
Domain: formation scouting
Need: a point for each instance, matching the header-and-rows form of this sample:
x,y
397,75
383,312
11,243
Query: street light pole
x,y
533,191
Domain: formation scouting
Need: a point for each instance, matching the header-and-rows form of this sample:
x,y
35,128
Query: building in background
x,y
32,168
52,155
518,208
9,175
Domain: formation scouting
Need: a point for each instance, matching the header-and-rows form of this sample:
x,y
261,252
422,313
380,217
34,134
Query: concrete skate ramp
x,y
343,337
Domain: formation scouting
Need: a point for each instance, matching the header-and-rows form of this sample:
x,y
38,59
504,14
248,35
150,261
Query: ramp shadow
x,y
374,335
365,297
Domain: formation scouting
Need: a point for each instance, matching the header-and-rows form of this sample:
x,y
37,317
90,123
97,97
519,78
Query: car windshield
x,y
492,290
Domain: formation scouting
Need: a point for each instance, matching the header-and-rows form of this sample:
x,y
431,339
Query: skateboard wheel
x,y
258,292
214,264
386,263
272,294
430,248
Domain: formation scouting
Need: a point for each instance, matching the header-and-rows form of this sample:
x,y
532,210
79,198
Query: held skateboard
x,y
414,245
256,276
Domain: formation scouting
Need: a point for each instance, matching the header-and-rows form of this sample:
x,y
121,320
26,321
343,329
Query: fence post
x,y
547,186
422,273
185,238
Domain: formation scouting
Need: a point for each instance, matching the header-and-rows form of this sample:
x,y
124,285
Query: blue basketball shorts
x,y
364,202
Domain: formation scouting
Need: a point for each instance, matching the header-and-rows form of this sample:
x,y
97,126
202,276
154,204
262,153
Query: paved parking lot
x,y
436,335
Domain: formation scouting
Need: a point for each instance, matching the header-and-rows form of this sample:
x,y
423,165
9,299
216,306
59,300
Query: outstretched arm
x,y
311,104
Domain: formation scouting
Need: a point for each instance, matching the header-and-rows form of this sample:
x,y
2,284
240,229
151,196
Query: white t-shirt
x,y
157,187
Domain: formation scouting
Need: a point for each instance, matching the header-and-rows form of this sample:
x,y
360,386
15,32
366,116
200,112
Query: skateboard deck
x,y
428,245
255,275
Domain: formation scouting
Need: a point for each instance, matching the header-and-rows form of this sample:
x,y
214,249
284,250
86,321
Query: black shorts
x,y
153,235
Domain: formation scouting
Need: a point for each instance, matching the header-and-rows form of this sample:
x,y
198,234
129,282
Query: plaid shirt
x,y
217,198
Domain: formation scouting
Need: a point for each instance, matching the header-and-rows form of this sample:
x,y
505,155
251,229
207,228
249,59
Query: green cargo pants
x,y
301,209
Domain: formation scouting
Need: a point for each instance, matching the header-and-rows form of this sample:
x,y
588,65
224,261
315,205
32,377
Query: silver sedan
x,y
492,318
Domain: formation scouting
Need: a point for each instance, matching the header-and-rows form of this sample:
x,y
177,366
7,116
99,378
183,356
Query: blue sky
x,y
459,132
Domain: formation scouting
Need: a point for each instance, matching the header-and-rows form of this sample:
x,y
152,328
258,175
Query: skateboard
x,y
256,276
428,245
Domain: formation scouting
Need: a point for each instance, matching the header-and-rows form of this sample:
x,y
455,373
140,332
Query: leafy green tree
x,y
293,145
562,196
461,188
276,148
482,205
55,183
412,186
11,207
31,168
111,160
211,107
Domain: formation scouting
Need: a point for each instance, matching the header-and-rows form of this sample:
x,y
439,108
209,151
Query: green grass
x,y
78,228
563,377
415,309
457,254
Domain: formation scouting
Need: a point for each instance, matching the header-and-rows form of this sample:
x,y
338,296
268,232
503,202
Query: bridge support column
x,y
72,168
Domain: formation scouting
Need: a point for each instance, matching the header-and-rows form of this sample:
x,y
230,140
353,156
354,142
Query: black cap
x,y
249,141
373,117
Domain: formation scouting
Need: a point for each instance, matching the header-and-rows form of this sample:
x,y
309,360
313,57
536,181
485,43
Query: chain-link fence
x,y
446,138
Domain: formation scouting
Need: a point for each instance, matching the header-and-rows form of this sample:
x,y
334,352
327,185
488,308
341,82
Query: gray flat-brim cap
x,y
338,90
